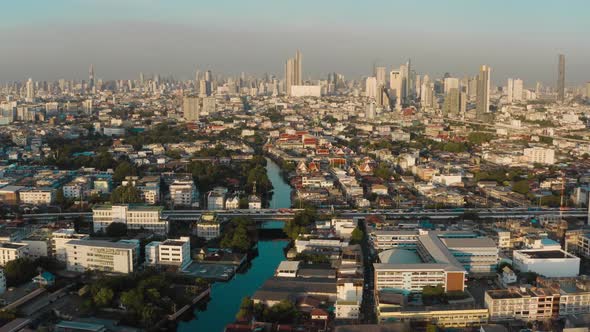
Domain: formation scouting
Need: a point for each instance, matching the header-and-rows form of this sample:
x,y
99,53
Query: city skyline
x,y
232,37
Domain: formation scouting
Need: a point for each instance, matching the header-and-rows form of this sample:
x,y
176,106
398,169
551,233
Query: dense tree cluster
x,y
237,235
301,221
283,312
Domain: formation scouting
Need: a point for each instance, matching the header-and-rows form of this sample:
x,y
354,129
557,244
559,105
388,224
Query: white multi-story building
x,y
40,196
10,251
522,303
504,240
84,255
59,239
349,298
183,193
539,155
547,262
208,227
232,203
385,239
475,254
136,217
174,252
215,200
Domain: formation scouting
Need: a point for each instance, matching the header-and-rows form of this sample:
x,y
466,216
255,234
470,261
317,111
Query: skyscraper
x,y
514,90
371,87
587,90
483,92
191,106
427,93
561,79
91,78
30,90
455,103
380,74
396,84
293,70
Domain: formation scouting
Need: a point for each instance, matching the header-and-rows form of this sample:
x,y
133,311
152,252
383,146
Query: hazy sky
x,y
52,39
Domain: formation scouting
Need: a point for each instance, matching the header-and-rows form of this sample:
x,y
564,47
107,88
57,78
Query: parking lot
x,y
211,271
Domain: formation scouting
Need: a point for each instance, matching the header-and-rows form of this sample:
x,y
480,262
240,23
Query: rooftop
x,y
102,244
478,242
546,254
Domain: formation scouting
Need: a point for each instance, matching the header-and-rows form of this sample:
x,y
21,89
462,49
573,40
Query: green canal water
x,y
227,296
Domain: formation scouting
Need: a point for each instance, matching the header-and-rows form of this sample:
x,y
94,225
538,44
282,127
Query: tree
x,y
283,312
104,297
246,309
116,229
19,271
124,169
357,236
521,187
125,194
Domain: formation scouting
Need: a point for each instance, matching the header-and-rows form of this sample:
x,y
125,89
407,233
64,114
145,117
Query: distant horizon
x,y
52,40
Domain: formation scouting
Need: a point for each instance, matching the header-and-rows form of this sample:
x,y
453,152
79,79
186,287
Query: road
x,y
282,214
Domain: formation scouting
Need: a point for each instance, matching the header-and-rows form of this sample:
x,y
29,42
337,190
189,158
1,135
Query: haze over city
x,y
49,40
282,166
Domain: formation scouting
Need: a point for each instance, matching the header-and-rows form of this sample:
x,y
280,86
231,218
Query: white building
x,y
173,252
84,255
287,269
39,196
477,255
208,227
539,155
184,193
504,240
232,203
547,262
306,91
59,239
10,251
136,217
349,298
215,200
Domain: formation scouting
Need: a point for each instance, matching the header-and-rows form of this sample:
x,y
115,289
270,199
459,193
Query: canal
x,y
227,296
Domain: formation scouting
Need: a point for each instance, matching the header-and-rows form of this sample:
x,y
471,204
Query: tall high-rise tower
x,y
293,70
483,92
298,77
561,79
30,90
91,78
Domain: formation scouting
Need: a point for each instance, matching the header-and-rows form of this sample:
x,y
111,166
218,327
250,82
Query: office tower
x,y
418,85
380,74
370,111
409,88
472,88
141,79
455,103
382,97
293,69
191,107
30,90
404,70
561,79
396,84
298,69
91,78
514,90
208,76
483,92
450,83
204,88
427,93
371,87
587,90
